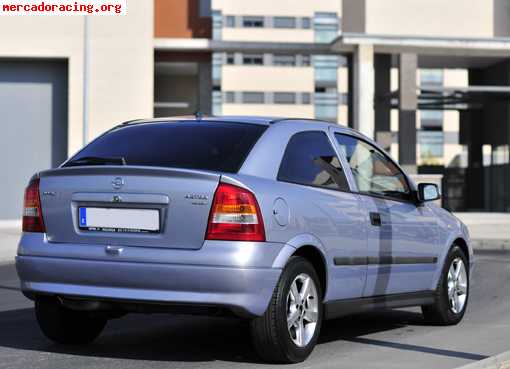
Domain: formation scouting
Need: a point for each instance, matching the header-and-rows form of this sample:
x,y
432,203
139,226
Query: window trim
x,y
412,189
338,189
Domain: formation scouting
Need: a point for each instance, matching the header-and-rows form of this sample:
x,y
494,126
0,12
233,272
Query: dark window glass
x,y
202,145
284,98
305,60
284,22
253,97
230,59
309,159
257,22
253,59
305,98
373,171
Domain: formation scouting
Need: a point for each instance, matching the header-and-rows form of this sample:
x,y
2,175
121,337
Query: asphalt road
x,y
391,339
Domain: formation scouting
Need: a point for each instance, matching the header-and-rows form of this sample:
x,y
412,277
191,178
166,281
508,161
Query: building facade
x,y
429,80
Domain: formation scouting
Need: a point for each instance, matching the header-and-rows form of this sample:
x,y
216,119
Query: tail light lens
x,y
235,216
32,212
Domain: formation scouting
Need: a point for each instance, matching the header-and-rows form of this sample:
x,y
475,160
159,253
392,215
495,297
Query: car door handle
x,y
375,219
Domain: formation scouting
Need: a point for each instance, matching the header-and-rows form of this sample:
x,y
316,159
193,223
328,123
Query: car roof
x,y
248,119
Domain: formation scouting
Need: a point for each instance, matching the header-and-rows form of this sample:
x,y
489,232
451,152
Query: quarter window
x,y
309,159
373,171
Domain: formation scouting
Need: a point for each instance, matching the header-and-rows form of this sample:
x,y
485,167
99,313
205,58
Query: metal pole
x,y
86,66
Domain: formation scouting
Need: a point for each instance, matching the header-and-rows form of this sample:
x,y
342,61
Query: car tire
x,y
66,326
273,339
452,292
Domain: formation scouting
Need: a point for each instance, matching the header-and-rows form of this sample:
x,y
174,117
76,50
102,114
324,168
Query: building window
x,y
253,59
306,98
217,25
230,59
325,26
284,22
306,23
284,98
284,60
230,21
305,60
431,120
229,97
204,8
431,77
253,97
431,146
253,22
326,69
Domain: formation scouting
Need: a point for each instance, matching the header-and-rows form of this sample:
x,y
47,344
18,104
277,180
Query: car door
x,y
402,235
323,206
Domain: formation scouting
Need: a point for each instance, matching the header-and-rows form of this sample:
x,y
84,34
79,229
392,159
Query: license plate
x,y
119,220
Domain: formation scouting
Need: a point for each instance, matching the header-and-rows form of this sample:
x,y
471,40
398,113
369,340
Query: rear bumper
x,y
240,276
245,291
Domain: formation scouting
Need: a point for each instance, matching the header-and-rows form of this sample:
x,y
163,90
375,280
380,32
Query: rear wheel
x,y
452,293
288,331
67,326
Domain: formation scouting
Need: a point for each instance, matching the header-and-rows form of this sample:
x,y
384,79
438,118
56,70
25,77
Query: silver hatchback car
x,y
285,222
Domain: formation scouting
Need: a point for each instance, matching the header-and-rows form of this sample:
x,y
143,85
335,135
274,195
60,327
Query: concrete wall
x,y
121,68
267,78
452,18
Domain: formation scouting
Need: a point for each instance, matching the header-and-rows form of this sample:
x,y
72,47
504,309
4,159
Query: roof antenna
x,y
199,115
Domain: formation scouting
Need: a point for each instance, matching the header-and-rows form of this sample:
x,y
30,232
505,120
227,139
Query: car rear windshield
x,y
215,146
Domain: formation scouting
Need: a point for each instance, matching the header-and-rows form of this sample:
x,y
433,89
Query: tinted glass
x,y
373,171
192,145
309,159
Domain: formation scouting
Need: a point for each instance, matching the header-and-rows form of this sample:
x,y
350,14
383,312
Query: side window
x,y
310,159
373,171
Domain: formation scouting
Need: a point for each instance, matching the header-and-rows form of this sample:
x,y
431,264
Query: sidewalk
x,y
9,237
489,231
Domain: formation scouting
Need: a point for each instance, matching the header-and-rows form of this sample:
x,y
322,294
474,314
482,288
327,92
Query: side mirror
x,y
428,192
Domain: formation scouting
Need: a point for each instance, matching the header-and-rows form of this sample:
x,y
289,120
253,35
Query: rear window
x,y
214,146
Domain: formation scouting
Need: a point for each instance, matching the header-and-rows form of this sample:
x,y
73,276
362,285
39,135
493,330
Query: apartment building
x,y
428,79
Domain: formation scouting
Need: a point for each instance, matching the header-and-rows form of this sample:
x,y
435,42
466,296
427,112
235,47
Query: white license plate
x,y
119,220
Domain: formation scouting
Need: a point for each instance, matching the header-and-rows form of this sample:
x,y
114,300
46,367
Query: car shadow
x,y
185,338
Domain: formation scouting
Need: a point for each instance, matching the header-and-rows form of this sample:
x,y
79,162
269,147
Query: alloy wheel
x,y
302,309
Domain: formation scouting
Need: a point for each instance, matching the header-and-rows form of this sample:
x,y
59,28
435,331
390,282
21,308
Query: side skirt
x,y
338,308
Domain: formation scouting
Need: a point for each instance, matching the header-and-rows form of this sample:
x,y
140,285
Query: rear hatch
x,y
147,185
151,207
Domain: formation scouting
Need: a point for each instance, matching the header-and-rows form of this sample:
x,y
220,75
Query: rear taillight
x,y
32,212
235,216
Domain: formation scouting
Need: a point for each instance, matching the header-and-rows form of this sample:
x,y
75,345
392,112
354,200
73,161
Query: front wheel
x,y
288,331
452,292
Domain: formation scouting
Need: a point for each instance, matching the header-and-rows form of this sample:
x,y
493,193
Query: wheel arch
x,y
316,258
460,242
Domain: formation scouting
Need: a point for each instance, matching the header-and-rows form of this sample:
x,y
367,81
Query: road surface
x,y
385,340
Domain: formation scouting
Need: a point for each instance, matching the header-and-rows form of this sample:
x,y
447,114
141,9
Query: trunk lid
x,y
181,197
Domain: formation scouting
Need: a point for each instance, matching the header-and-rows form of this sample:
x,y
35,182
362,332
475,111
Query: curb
x,y
491,245
501,361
